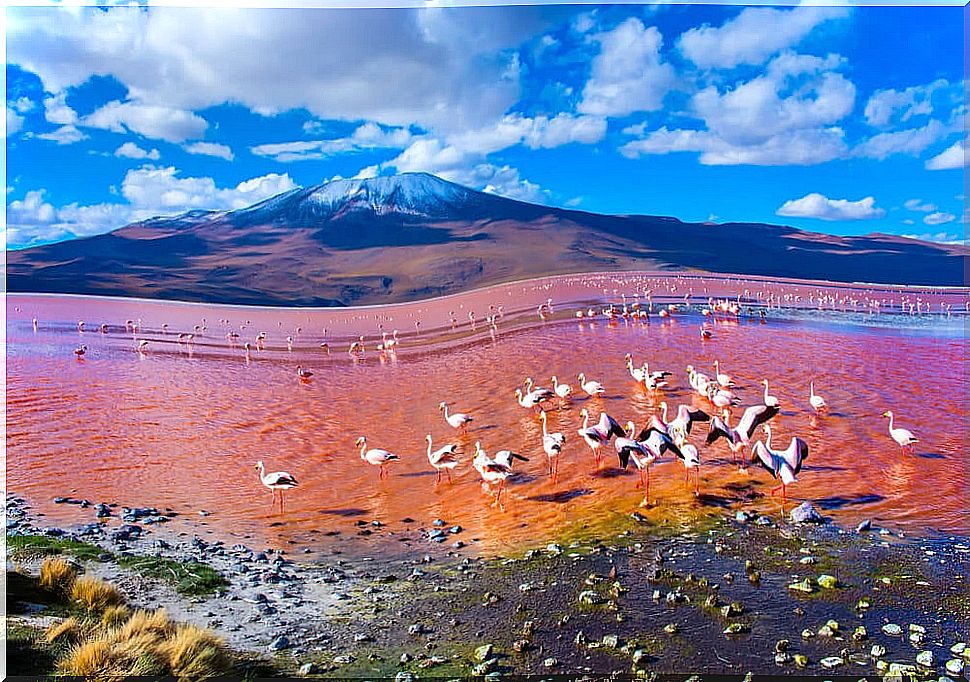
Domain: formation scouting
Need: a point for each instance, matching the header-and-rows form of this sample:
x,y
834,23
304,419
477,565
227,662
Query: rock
x,y
832,625
864,526
639,656
782,645
405,658
826,631
808,560
102,510
877,651
528,628
959,649
402,676
554,548
892,630
807,633
483,652
807,586
801,660
860,633
416,629
438,523
308,669
735,629
782,658
742,516
712,601
280,643
862,604
829,582
754,577
733,609
806,513
580,639
550,663
455,529
493,676
590,598
363,637
830,662
925,658
520,645
913,627
955,667
916,638
903,670
611,641
672,629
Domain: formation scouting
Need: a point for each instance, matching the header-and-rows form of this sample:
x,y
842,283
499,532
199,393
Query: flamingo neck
x,y
891,416
363,449
586,421
766,392
429,448
446,411
663,412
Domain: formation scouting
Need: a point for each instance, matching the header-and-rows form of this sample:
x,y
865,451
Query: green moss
x,y
190,579
42,545
28,652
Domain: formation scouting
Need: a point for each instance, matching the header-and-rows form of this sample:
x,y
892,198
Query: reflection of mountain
x,y
411,236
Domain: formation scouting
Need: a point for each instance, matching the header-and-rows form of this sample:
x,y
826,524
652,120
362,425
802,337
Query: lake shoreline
x,y
642,595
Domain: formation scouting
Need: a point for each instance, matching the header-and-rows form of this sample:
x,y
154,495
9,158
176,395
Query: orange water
x,y
182,425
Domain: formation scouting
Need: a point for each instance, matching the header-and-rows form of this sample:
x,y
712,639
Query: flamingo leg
x,y
437,478
697,483
448,471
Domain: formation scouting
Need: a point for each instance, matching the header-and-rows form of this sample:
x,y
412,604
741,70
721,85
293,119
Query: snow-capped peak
x,y
411,193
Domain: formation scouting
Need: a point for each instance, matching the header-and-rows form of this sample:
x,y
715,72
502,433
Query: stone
x,y
903,670
913,627
590,598
925,658
862,604
826,631
611,641
742,516
807,586
520,645
671,628
550,663
402,676
416,629
735,629
806,513
782,658
877,651
892,630
363,637
639,656
959,648
733,609
829,582
405,658
580,639
830,662
801,660
483,652
438,523
864,526
955,667
807,633
860,633
833,625
916,638
808,560
280,643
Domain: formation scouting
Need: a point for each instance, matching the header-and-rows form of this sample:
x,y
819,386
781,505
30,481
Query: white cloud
x,y
919,205
22,105
159,122
15,122
941,237
64,135
954,156
884,105
819,206
939,218
367,172
785,116
435,66
367,136
210,149
912,141
628,74
150,192
57,112
753,36
131,150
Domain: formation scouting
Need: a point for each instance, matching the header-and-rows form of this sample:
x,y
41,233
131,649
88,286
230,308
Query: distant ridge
x,y
409,236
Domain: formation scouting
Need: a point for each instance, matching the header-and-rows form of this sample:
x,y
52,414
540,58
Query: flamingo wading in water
x,y
276,481
443,459
781,464
457,420
375,456
903,437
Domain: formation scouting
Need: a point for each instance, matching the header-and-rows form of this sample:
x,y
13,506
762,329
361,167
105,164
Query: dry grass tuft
x,y
57,574
95,595
194,653
68,630
154,624
115,616
89,659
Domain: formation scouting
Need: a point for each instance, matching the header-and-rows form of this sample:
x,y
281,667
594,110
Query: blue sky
x,y
832,119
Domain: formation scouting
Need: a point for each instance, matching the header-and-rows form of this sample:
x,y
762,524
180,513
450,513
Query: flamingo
x,y
532,399
654,442
903,437
770,400
457,420
783,464
80,351
563,391
592,388
375,456
815,400
443,459
691,460
552,445
303,373
739,437
638,373
679,427
530,387
276,481
723,379
143,346
599,435
495,471
629,449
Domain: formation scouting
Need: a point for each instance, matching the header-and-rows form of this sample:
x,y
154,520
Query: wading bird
x,y
495,471
781,464
592,388
276,481
563,391
552,445
456,420
443,459
816,401
903,437
375,456
598,436
770,400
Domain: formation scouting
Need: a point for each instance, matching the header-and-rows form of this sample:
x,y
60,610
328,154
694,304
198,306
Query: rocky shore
x,y
728,592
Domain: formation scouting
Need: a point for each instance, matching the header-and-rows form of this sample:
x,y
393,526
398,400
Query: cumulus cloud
x,y
941,237
939,218
68,134
159,122
130,150
819,206
450,67
57,111
911,141
954,156
367,136
919,205
210,149
753,36
628,74
149,191
889,104
15,122
785,116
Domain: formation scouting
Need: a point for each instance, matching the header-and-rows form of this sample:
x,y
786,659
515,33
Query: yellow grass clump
x,y
88,659
95,595
194,653
68,630
114,616
57,574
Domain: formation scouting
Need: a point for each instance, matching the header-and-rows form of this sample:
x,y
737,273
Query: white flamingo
x,y
598,436
276,481
375,456
592,388
816,401
637,373
722,379
443,459
552,445
903,437
495,471
531,400
782,464
770,400
457,420
563,391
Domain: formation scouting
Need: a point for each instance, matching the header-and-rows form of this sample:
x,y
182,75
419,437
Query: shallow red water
x,y
182,425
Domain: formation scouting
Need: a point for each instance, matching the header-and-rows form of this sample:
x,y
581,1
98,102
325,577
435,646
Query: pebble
x,y
484,652
806,513
877,651
280,643
955,667
639,655
892,630
904,670
860,633
550,663
925,659
782,658
590,598
807,585
672,629
830,662
735,629
416,629
829,582
308,669
864,526
402,676
801,660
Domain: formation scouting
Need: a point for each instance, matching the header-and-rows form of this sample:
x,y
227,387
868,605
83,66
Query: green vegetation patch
x,y
42,545
191,579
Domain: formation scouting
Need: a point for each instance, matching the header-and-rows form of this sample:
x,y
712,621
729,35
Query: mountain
x,y
409,236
